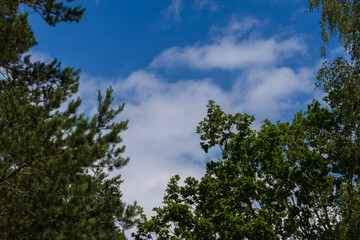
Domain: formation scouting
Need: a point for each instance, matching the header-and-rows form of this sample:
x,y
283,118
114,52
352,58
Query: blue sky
x,y
115,38
166,58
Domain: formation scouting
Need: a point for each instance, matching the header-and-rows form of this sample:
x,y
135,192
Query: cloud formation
x,y
161,140
229,53
268,93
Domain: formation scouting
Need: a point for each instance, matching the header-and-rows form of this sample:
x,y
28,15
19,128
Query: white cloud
x,y
229,53
231,50
173,10
161,139
268,92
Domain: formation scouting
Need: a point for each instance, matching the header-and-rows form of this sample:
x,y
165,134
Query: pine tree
x,y
54,164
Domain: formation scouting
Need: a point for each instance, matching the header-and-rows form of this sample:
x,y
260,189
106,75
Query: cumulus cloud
x,y
268,92
161,140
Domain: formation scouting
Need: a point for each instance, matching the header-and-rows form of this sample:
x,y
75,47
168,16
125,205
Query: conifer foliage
x,y
54,161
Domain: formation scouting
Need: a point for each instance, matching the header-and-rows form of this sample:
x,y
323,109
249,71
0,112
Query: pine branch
x,y
22,166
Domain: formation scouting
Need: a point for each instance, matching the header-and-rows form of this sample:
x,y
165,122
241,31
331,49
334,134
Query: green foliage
x,y
339,17
16,36
296,180
54,11
54,161
341,81
268,184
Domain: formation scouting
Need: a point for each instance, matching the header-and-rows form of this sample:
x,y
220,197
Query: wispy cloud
x,y
206,4
173,11
237,26
231,50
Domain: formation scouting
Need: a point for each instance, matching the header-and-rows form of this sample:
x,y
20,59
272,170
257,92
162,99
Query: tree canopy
x,y
54,161
287,180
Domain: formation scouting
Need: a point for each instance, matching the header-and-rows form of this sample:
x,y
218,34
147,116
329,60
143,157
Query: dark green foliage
x,y
55,11
53,160
16,36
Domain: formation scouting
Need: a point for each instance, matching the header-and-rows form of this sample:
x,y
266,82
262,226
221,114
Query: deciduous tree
x,y
297,180
267,184
339,18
